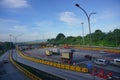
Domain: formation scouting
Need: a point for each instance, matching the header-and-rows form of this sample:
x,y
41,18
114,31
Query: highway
x,y
78,57
8,71
68,75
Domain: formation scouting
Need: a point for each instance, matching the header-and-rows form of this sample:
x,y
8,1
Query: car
x,y
102,51
115,62
101,62
88,57
5,61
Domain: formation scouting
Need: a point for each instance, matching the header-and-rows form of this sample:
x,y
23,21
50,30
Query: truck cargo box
x,y
65,55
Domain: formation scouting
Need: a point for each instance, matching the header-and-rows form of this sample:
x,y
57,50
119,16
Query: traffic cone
x,y
110,74
105,77
101,74
94,72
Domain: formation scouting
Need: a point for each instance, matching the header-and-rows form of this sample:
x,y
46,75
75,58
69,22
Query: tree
x,y
116,34
97,37
60,36
70,40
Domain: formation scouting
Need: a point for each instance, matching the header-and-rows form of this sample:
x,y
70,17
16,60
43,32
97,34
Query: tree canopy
x,y
60,36
99,38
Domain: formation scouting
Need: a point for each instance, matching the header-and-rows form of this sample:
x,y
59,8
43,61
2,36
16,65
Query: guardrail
x,y
26,72
98,49
55,64
111,50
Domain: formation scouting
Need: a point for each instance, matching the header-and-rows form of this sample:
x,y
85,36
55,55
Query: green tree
x,y
60,36
70,40
97,37
116,34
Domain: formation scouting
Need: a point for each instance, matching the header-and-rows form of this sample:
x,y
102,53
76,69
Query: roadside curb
x,y
26,72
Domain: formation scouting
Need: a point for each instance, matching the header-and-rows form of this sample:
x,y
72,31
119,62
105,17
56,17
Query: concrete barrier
x,y
55,64
26,72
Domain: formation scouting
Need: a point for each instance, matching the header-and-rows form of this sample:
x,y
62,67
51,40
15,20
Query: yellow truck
x,y
67,57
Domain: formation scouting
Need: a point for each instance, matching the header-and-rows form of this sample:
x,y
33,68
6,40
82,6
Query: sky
x,y
28,20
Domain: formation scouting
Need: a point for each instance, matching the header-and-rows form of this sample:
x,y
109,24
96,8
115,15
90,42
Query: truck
x,y
67,57
56,51
48,53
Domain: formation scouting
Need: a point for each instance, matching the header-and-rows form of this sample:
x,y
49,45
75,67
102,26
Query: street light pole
x,y
10,43
10,40
116,38
88,19
15,38
83,33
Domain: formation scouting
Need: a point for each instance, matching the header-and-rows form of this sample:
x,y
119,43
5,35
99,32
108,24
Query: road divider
x,y
54,64
26,72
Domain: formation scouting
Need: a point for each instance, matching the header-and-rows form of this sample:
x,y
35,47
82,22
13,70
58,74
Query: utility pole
x,y
83,34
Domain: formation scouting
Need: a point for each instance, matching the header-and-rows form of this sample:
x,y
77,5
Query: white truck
x,y
56,51
48,53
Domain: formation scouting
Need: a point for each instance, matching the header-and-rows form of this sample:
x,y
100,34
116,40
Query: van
x,y
101,62
115,62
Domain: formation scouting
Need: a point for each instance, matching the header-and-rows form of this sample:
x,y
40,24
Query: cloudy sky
x,y
29,20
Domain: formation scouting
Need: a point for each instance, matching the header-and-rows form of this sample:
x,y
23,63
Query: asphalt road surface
x,y
8,71
68,75
78,57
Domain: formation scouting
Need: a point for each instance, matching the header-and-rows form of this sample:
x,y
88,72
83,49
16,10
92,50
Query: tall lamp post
x,y
83,33
88,19
116,37
10,40
10,43
15,38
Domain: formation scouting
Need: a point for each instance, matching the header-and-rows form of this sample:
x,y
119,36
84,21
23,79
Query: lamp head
x,y
77,5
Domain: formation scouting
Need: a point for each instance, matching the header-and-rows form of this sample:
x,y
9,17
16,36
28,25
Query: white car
x,y
101,62
115,62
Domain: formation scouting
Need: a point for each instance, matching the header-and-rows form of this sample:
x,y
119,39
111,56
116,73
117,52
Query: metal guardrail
x,y
26,72
55,64
100,48
108,49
